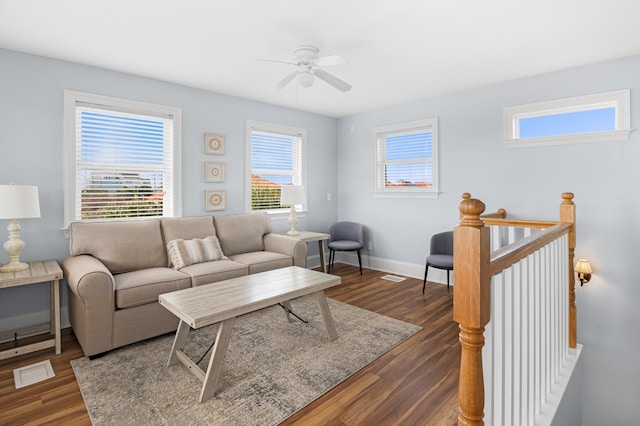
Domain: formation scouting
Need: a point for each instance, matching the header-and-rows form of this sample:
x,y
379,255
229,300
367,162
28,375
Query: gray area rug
x,y
272,368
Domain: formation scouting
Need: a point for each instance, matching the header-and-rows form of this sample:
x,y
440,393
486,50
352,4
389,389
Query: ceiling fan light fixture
x,y
305,79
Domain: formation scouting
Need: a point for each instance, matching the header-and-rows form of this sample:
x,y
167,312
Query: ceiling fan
x,y
308,68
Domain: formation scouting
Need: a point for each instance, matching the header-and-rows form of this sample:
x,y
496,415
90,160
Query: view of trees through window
x,y
276,160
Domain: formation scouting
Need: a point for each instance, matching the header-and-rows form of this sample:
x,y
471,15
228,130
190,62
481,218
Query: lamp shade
x,y
292,195
19,202
583,266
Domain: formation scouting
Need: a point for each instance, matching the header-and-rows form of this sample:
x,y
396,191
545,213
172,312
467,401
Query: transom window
x,y
276,157
406,159
121,158
594,118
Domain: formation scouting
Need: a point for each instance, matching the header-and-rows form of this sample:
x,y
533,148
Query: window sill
x,y
613,136
407,194
278,215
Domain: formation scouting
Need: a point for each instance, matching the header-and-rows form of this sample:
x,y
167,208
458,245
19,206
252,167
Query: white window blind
x,y
122,163
277,159
406,163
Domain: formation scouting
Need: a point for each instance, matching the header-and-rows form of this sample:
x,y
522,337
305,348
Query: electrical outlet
x,y
370,245
328,196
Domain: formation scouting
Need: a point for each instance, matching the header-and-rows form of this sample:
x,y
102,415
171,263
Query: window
x,y
277,156
122,158
604,117
406,159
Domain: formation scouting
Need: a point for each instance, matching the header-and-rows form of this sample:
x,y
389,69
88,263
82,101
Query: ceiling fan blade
x,y
329,60
284,82
333,80
276,61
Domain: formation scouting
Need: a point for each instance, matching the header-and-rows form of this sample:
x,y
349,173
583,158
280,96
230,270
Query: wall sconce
x,y
583,269
292,195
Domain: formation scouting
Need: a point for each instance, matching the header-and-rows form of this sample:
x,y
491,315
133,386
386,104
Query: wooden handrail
x,y
503,258
498,214
518,223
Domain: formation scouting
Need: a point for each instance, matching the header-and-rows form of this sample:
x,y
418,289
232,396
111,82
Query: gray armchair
x,y
345,236
441,255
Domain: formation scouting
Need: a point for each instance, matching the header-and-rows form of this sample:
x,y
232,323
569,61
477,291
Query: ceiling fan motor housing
x,y
306,53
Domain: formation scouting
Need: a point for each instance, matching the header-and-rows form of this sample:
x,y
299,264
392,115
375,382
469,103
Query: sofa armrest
x,y
87,277
91,302
287,245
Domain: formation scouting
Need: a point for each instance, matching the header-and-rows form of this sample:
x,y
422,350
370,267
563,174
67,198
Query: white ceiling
x,y
398,50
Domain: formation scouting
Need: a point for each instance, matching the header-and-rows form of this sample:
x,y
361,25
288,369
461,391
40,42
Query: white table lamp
x,y
17,202
292,195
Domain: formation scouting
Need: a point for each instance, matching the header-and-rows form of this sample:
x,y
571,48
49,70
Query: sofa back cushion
x,y
186,228
123,246
242,233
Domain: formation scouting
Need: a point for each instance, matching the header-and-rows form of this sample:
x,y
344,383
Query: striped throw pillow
x,y
188,252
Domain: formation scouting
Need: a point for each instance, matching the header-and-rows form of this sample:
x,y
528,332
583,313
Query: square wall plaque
x,y
214,172
216,200
214,143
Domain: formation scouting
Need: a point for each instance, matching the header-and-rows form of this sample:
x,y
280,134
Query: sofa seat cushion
x,y
260,261
210,272
141,287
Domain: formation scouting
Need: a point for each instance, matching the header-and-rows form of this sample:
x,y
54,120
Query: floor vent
x,y
34,373
394,278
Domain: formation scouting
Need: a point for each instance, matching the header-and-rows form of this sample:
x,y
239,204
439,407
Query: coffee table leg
x,y
322,259
178,342
217,357
287,305
326,315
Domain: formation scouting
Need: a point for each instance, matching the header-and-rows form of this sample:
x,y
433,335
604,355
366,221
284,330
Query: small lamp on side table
x,y
292,195
17,202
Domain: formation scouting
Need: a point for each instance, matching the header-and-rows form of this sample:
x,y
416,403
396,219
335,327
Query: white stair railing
x,y
526,340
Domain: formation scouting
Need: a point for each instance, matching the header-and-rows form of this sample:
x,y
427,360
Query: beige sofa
x,y
116,270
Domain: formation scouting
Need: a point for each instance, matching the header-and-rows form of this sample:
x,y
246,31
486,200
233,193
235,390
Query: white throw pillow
x,y
188,252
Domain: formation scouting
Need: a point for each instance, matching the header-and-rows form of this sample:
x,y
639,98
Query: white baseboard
x,y
406,269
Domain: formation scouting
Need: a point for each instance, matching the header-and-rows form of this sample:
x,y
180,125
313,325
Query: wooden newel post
x,y
471,305
568,215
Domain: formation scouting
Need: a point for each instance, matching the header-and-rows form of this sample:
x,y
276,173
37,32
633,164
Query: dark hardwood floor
x,y
413,384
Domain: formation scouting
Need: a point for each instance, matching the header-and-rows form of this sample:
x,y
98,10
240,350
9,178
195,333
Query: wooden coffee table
x,y
225,300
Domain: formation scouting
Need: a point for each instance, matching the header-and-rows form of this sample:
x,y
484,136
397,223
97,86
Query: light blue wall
x,y
528,183
31,115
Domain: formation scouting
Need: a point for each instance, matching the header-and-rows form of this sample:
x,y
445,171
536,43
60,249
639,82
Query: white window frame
x,y
71,99
378,136
300,179
619,99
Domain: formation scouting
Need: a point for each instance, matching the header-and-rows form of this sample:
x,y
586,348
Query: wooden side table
x,y
38,272
308,236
